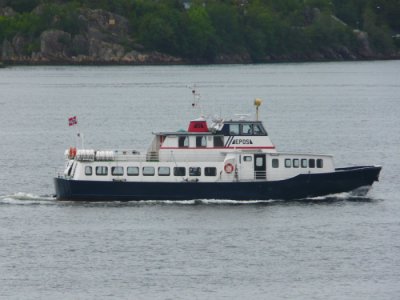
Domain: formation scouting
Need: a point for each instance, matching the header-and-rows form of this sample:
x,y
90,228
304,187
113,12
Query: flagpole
x,y
80,135
77,136
82,141
72,121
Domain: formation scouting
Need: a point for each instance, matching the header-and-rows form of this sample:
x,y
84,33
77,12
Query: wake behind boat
x,y
230,159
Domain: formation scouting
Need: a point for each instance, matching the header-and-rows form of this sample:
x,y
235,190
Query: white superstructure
x,y
235,150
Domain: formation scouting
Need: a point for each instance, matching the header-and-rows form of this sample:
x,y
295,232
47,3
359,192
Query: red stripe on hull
x,y
255,147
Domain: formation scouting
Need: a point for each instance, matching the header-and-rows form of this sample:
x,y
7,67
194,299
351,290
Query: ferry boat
x,y
227,159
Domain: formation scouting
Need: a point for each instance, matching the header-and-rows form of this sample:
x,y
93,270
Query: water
x,y
336,247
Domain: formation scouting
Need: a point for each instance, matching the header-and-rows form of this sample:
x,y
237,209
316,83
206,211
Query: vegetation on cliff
x,y
199,30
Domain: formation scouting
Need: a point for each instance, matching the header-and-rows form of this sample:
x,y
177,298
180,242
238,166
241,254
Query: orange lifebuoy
x,y
229,168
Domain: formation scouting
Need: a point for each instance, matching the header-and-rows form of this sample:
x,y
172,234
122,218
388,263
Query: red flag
x,y
72,121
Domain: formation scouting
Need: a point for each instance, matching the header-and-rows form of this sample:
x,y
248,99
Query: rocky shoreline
x,y
106,41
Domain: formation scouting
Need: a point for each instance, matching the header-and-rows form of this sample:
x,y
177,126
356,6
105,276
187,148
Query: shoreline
x,y
8,63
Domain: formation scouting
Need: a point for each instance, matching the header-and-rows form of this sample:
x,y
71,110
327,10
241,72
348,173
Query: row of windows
x,y
201,141
297,163
243,129
150,171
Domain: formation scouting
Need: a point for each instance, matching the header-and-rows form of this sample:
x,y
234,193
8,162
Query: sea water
x,y
334,247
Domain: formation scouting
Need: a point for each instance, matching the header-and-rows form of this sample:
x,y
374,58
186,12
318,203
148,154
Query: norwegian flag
x,y
72,121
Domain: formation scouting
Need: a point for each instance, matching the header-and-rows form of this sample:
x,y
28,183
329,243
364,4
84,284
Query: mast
x,y
257,103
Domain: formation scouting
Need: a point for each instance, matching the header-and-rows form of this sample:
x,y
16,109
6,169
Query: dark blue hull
x,y
299,187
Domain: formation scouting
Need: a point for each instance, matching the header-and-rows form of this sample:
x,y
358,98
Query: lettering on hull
x,y
242,142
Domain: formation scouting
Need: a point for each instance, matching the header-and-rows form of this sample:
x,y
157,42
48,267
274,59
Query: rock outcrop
x,y
364,47
104,38
7,12
55,44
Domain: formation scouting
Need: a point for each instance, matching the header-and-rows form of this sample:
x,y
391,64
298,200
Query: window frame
x,y
201,138
311,163
259,161
288,163
320,163
132,174
164,174
207,171
117,167
296,163
248,158
242,130
196,174
184,138
304,163
261,130
101,168
176,169
275,163
147,168
233,132
86,170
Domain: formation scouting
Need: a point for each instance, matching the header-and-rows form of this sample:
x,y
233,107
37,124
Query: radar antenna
x,y
217,123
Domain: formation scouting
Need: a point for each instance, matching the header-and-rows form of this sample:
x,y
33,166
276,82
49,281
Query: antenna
x,y
257,104
196,98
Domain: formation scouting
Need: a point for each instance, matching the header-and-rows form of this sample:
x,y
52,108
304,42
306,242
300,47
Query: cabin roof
x,y
182,132
242,122
166,133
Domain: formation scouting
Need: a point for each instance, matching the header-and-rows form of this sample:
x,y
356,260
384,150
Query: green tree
x,y
265,33
328,32
379,35
22,5
160,26
200,35
227,24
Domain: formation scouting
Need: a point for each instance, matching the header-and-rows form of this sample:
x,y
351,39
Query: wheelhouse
x,y
243,128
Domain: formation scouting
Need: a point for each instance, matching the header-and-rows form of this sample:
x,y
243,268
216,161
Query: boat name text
x,y
242,141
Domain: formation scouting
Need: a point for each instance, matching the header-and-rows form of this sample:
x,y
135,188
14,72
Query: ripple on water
x,y
21,198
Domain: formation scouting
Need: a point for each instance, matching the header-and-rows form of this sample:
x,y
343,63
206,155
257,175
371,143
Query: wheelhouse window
x,y
132,171
275,163
201,141
243,128
247,129
101,170
304,163
117,171
320,163
194,171
234,129
311,163
210,171
288,163
148,171
247,158
179,171
296,163
258,130
218,141
183,142
163,171
88,171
